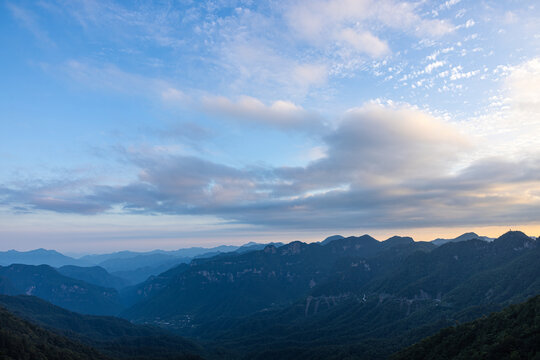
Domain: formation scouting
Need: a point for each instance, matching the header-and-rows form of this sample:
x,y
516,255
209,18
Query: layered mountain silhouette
x,y
47,283
353,297
132,267
38,257
93,275
463,237
331,238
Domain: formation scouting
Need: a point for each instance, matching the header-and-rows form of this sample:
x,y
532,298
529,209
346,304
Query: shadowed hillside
x,y
21,340
114,337
47,283
513,333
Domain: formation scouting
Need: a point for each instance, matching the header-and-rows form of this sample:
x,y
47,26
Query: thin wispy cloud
x,y
30,22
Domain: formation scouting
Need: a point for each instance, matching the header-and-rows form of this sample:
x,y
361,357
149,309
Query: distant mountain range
x,y
138,266
353,297
93,275
132,267
38,257
47,283
463,237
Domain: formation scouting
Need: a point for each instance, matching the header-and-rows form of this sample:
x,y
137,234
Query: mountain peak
x,y
251,243
467,236
331,238
292,248
514,234
463,237
515,239
365,245
399,240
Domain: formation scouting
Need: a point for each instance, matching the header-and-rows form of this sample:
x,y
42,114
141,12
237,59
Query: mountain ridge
x,y
47,283
463,237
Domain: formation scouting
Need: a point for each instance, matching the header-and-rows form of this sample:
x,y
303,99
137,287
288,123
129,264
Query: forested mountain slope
x,y
112,336
513,333
353,297
20,339
240,284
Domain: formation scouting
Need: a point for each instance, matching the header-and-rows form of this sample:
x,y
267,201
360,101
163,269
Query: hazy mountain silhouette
x,y
331,238
37,257
462,237
47,283
93,275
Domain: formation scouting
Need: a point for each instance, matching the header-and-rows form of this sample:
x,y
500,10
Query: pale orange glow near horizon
x,y
89,242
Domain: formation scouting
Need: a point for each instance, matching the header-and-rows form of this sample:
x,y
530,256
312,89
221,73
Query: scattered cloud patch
x,y
364,42
322,22
280,114
448,4
457,73
515,107
430,67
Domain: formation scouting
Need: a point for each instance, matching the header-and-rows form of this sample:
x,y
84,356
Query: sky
x,y
141,125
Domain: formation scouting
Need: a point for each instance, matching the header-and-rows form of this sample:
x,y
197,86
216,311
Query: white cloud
x,y
457,74
510,126
325,22
173,95
310,74
443,74
281,114
469,23
448,4
258,68
365,42
523,86
400,140
430,67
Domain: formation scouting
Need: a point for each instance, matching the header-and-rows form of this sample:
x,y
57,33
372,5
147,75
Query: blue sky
x,y
142,125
